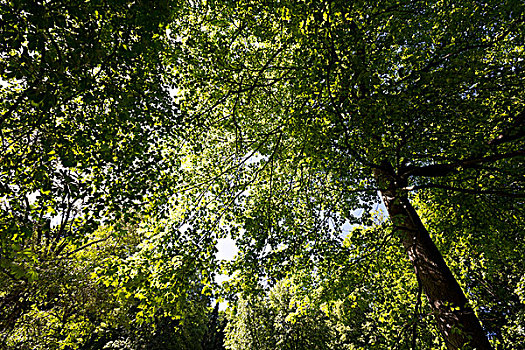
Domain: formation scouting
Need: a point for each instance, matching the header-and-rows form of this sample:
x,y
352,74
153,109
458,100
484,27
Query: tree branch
x,y
439,170
501,193
87,245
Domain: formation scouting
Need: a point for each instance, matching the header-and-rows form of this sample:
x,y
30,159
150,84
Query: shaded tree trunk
x,y
455,318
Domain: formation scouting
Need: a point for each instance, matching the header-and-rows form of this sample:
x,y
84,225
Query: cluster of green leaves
x,y
287,317
366,299
109,294
83,106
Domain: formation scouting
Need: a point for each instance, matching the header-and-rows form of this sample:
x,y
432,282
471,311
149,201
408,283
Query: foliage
x,y
84,112
367,299
214,338
311,108
83,104
285,318
284,123
482,240
301,100
97,299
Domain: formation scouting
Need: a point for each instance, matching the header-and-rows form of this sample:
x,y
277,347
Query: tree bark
x,y
455,319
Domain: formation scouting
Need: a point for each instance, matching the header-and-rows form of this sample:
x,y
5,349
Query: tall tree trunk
x,y
455,319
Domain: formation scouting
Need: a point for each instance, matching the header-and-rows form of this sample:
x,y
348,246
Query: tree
x,y
284,122
83,104
285,318
85,114
107,296
481,241
362,299
312,107
214,337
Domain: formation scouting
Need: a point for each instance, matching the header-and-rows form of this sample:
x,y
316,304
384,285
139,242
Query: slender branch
x,y
501,193
87,245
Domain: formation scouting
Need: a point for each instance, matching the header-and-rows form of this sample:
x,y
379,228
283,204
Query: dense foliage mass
x,y
366,157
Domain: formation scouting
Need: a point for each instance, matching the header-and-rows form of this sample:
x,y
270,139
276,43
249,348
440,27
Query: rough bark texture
x,y
456,320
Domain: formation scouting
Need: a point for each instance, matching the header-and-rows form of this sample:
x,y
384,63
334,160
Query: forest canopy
x,y
365,157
